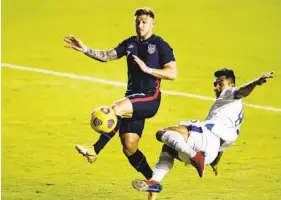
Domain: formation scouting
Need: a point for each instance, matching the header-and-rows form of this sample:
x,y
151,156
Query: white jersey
x,y
226,115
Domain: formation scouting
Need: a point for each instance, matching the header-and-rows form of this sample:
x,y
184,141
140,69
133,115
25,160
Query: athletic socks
x,y
163,166
104,138
138,161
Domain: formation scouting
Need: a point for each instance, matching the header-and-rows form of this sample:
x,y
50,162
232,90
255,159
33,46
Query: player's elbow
x,y
104,59
170,70
172,75
240,94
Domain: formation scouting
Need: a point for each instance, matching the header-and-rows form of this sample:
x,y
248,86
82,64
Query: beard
x,y
218,94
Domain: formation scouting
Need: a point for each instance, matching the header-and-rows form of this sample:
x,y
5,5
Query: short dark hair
x,y
144,11
228,73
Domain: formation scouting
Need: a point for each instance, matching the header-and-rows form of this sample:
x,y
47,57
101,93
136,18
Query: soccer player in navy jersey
x,y
149,59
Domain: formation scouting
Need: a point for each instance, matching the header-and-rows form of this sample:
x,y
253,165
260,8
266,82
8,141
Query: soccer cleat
x,y
198,162
89,153
147,185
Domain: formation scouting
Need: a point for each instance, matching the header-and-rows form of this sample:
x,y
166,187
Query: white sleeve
x,y
228,93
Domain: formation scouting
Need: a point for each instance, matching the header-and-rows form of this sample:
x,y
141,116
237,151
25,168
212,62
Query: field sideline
x,y
103,81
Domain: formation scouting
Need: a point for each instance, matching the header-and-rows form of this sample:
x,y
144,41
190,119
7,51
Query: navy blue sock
x,y
104,138
138,161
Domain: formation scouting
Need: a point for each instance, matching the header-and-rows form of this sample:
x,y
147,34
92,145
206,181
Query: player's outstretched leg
x,y
147,185
176,138
91,152
100,114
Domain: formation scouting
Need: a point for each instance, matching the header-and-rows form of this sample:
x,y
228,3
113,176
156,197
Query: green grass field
x,y
44,116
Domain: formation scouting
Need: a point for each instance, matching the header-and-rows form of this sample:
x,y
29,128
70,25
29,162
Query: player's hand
x,y
262,79
74,43
215,169
142,65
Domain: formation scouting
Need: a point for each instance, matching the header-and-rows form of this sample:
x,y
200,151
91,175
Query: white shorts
x,y
201,139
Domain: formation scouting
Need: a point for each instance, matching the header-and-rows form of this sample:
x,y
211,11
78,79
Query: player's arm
x,y
169,70
167,62
100,55
246,89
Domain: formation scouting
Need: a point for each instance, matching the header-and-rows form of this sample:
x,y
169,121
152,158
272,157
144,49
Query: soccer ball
x,y
103,119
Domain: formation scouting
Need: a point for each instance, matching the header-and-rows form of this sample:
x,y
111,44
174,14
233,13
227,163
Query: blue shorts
x,y
145,105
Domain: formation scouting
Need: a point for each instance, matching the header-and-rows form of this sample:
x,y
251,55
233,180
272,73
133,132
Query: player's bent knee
x,y
117,109
128,151
159,134
180,129
123,108
129,148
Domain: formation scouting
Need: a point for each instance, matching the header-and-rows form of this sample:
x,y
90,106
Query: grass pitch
x,y
44,116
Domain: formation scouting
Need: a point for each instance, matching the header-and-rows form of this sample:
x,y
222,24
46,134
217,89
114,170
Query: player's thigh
x,y
123,107
145,105
202,140
131,125
212,148
182,130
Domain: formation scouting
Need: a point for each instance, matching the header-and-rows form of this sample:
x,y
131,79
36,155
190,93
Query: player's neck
x,y
146,37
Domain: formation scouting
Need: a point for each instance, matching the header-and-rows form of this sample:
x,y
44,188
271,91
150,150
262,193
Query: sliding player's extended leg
x,y
176,137
175,142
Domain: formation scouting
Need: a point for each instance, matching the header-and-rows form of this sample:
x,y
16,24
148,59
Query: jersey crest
x,y
151,48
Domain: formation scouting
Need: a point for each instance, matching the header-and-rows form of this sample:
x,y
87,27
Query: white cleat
x,y
82,150
147,186
140,185
89,153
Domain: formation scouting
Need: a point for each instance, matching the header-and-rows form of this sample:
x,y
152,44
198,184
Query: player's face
x,y
220,84
144,25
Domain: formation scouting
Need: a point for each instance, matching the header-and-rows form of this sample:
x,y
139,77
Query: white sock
x,y
163,166
177,142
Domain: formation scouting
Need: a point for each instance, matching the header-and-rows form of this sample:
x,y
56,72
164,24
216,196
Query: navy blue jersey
x,y
154,51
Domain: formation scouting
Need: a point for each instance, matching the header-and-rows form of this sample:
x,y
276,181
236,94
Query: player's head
x,y
225,78
144,20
